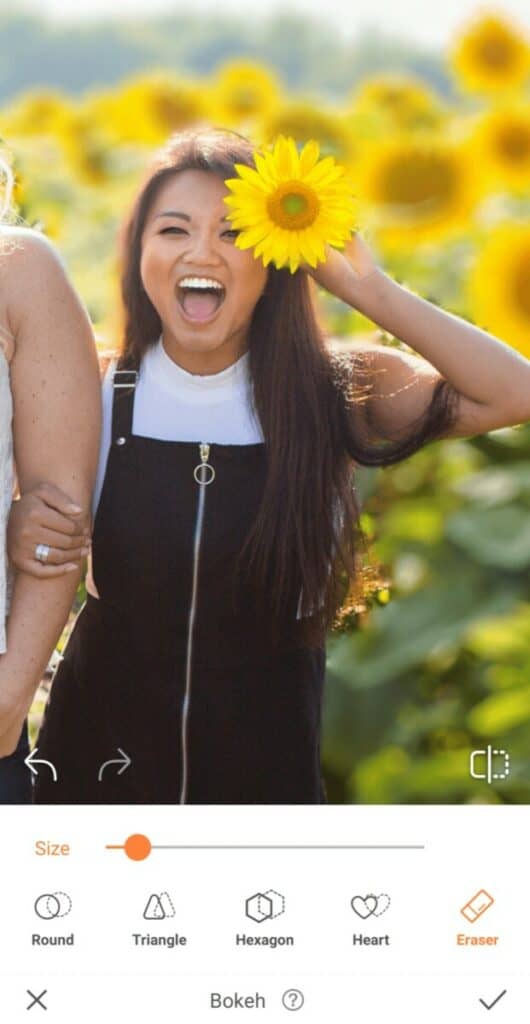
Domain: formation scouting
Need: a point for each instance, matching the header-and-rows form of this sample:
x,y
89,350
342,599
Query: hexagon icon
x,y
263,906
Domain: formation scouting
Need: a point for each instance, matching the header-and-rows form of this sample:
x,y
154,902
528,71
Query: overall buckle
x,y
127,378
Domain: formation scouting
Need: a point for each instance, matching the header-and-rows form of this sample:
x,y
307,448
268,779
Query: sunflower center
x,y
521,285
514,143
394,99
174,111
244,99
293,206
496,52
417,180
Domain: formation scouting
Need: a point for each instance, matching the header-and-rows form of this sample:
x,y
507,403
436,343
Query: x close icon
x,y
36,1000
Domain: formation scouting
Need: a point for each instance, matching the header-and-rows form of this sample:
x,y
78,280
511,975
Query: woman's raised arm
x,y
490,380
56,427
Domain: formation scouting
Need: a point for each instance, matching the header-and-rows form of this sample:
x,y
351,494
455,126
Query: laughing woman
x,y
49,418
226,522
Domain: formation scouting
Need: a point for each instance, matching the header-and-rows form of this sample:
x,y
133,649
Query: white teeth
x,y
200,282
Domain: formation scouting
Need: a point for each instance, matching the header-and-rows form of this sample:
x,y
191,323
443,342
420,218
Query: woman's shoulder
x,y
351,364
365,364
18,238
23,253
29,266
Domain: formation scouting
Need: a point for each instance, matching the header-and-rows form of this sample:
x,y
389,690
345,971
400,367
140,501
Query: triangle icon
x,y
154,910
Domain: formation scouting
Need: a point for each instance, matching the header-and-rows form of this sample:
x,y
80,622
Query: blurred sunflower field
x,y
440,664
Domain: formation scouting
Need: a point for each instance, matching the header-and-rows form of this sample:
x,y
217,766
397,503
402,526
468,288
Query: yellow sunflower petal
x,y
286,155
253,235
309,156
250,175
264,170
322,169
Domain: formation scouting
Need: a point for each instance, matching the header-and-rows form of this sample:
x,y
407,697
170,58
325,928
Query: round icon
x,y
52,904
293,999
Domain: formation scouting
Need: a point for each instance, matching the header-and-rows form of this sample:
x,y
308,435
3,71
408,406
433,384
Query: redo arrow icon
x,y
124,761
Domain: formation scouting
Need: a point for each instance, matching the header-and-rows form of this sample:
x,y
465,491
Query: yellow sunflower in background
x,y
87,148
242,91
502,139
492,53
291,205
399,102
36,112
499,286
301,120
150,107
418,189
102,108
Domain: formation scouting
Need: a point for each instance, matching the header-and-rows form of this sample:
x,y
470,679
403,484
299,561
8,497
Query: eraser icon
x,y
477,906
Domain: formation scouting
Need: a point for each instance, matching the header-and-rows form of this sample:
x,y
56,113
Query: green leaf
x,y
498,536
402,634
501,712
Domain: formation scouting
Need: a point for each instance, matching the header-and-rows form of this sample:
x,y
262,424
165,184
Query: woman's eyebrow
x,y
183,216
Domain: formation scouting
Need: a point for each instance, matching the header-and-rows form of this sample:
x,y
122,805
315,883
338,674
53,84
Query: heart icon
x,y
366,906
383,903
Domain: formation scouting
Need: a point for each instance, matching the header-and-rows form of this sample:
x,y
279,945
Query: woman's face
x,y
186,236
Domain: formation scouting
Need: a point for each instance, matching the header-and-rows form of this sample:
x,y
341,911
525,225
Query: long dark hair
x,y
313,406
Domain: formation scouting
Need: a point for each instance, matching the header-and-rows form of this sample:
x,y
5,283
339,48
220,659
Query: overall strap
x,y
124,384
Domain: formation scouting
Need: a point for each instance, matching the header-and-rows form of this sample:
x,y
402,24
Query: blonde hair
x,y
7,182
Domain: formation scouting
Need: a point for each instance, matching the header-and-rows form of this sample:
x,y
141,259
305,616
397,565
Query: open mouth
x,y
200,303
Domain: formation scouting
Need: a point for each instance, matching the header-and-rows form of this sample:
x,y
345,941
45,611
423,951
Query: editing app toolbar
x,y
202,913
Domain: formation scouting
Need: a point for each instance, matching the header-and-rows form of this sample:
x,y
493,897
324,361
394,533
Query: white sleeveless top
x,y
6,484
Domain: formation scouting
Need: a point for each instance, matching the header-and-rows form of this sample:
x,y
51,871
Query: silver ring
x,y
42,552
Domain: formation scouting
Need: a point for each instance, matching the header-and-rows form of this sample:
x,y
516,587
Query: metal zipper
x,y
203,474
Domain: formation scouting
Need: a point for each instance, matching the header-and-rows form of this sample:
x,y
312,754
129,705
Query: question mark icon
x,y
293,999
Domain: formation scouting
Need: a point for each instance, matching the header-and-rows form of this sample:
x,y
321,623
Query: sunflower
x,y
243,90
87,148
491,54
291,205
397,102
150,107
499,286
36,112
302,119
502,138
418,188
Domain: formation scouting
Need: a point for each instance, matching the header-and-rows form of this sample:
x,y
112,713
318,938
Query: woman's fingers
x,y
65,543
41,516
58,512
34,522
56,556
46,571
57,499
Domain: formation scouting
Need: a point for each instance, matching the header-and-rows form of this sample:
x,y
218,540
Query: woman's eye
x,y
176,230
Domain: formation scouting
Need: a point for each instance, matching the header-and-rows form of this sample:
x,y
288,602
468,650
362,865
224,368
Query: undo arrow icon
x,y
31,761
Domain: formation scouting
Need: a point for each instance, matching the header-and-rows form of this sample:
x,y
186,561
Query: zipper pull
x,y
200,472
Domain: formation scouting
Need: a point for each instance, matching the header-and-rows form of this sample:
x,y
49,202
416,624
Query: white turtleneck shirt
x,y
172,404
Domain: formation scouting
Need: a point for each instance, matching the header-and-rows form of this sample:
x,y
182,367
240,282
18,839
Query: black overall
x,y
165,669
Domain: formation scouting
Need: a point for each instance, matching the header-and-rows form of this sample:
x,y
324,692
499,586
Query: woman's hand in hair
x,y
344,270
46,515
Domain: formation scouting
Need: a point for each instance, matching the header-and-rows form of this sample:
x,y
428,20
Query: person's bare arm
x,y
489,379
57,416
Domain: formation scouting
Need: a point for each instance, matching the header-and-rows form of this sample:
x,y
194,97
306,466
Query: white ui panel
x,y
200,914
